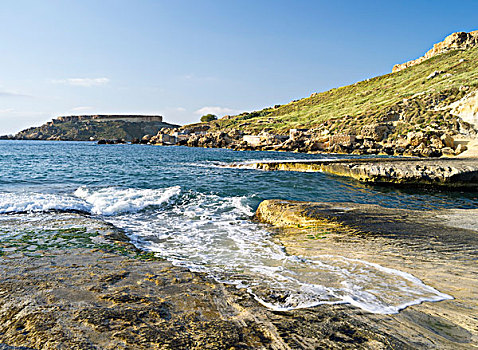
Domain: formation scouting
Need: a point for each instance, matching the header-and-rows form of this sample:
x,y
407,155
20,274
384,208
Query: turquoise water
x,y
62,167
185,205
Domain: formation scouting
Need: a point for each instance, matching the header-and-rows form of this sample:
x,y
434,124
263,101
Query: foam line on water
x,y
207,233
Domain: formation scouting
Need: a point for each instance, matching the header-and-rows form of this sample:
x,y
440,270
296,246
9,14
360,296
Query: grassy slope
x,y
368,97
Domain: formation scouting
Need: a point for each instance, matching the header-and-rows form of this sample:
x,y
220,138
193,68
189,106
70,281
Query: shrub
x,y
208,118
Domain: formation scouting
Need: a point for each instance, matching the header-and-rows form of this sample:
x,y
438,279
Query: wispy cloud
x,y
216,110
196,78
12,94
85,82
6,110
81,108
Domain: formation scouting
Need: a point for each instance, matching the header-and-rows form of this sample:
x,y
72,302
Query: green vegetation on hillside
x,y
365,102
208,118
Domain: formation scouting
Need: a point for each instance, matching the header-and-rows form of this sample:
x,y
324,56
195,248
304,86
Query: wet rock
x,y
451,173
93,299
428,244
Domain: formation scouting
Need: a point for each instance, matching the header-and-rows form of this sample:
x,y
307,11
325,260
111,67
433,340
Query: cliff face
x,y
95,127
110,117
467,108
455,41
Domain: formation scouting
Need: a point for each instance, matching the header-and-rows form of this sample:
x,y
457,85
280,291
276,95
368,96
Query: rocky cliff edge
x,y
454,41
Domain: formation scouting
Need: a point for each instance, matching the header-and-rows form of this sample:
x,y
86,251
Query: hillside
x,y
425,107
454,41
420,109
413,94
83,128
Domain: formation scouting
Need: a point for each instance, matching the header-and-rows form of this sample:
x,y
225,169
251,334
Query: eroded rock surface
x,y
455,41
74,289
439,172
438,247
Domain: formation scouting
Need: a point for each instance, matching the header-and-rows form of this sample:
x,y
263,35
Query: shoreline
x,y
459,173
108,298
437,246
95,291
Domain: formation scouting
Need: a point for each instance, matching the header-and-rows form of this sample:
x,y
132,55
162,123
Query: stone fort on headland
x,y
109,118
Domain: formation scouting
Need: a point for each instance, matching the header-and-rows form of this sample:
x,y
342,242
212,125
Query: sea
x,y
194,208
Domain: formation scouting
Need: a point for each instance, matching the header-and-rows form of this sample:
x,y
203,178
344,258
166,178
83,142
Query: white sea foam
x,y
211,234
105,201
37,202
112,201
208,233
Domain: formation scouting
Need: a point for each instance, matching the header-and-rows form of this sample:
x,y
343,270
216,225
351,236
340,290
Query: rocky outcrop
x,y
455,41
109,117
96,291
422,125
450,173
467,108
96,127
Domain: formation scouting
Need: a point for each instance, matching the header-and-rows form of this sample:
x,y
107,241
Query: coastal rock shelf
x,y
109,295
438,247
460,173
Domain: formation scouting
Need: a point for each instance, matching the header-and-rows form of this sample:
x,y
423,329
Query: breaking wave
x,y
106,201
213,234
113,201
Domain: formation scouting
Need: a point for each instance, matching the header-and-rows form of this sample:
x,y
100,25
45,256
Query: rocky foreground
x,y
71,290
110,296
439,247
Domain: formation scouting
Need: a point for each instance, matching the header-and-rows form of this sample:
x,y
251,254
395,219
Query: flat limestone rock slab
x,y
449,172
94,299
438,247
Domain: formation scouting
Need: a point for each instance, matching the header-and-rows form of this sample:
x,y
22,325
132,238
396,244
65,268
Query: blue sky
x,y
182,58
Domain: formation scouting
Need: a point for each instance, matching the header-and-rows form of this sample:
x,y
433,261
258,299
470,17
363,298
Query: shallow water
x,y
186,206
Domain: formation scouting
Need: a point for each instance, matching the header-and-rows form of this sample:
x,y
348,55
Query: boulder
x,y
447,151
416,138
376,132
447,140
402,142
436,143
342,140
